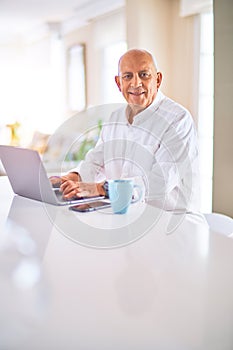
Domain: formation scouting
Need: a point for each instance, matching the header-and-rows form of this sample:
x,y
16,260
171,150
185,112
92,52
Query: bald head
x,y
137,54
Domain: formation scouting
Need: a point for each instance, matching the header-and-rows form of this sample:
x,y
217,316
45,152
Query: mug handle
x,y
140,194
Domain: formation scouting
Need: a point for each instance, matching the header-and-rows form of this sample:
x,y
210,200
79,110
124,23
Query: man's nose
x,y
136,81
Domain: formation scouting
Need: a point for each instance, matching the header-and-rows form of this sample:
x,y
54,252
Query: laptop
x,y
28,177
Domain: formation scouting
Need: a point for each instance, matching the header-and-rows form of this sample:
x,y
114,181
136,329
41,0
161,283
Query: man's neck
x,y
133,110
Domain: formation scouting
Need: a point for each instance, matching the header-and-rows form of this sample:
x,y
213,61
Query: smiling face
x,y
138,79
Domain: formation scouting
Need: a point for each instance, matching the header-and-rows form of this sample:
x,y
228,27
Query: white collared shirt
x,y
159,149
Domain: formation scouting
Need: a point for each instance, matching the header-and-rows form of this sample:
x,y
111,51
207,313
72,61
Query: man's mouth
x,y
136,92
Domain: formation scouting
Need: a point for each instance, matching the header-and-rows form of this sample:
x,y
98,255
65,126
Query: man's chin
x,y
136,106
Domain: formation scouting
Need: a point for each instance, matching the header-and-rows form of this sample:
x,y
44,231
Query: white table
x,y
146,280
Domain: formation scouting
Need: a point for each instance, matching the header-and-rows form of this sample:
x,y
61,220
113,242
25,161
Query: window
x,y
76,78
112,54
205,109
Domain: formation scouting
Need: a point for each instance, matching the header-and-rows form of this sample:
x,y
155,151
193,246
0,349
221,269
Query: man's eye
x,y
144,75
127,76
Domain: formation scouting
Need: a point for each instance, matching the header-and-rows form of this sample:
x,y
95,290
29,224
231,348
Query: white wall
x,y
185,59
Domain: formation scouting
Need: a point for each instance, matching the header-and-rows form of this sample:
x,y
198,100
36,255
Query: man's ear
x,y
117,81
159,79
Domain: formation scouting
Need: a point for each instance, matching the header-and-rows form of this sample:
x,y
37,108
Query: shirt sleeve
x,y
92,168
174,167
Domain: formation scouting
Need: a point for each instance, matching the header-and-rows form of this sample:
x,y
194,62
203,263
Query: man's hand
x,y
71,189
72,186
56,181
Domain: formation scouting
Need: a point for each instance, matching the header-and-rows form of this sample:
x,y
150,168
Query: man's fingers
x,y
55,181
71,188
68,187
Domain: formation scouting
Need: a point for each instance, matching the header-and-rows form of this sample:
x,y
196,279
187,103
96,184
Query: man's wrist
x,y
102,188
75,176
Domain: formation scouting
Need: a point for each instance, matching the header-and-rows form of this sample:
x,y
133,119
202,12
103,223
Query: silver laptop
x,y
28,177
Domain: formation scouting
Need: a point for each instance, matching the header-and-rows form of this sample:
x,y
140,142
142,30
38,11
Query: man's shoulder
x,y
173,107
173,112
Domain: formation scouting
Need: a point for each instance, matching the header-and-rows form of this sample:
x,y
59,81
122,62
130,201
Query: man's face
x,y
138,79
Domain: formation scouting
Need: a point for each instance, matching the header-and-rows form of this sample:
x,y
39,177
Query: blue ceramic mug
x,y
121,194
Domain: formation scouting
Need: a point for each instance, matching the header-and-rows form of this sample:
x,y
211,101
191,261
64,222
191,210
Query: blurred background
x,y
59,57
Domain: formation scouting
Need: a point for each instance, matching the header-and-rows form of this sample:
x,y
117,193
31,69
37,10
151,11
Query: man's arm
x,y
173,177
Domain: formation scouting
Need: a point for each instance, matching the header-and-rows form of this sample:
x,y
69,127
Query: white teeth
x,y
136,93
